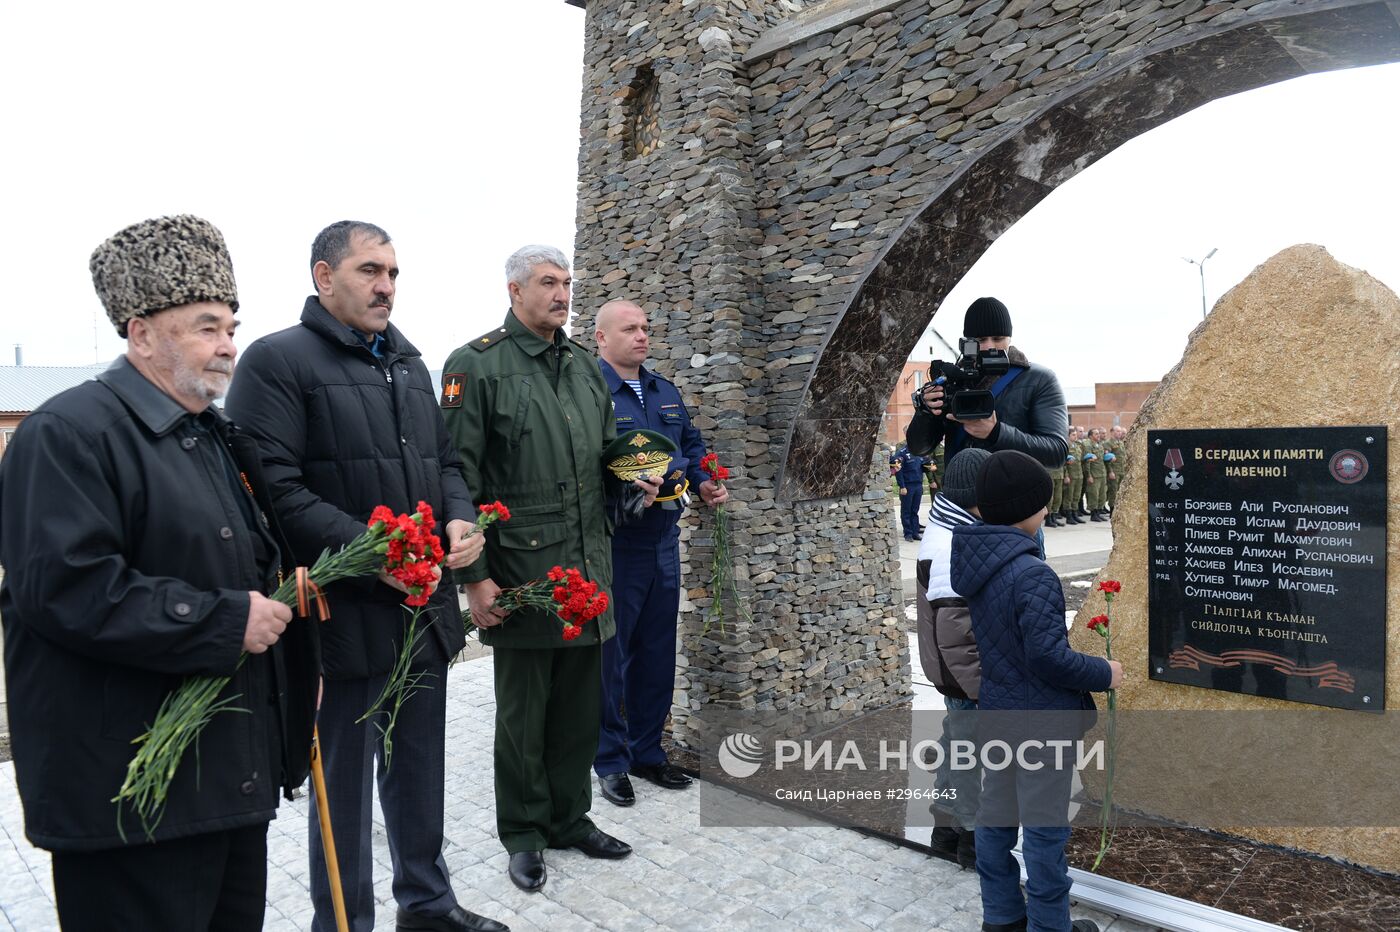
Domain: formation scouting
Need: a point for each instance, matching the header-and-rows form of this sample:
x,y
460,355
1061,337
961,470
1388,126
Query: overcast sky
x,y
455,127
1094,276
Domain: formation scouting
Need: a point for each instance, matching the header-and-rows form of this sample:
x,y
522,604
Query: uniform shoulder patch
x,y
452,389
487,340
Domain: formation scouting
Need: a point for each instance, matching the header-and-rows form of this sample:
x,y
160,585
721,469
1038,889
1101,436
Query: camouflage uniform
x,y
1096,478
1115,466
1074,488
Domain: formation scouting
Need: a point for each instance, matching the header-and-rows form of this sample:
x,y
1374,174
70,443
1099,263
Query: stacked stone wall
x,y
800,223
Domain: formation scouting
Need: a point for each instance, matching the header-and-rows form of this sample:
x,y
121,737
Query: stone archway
x,y
822,174
992,189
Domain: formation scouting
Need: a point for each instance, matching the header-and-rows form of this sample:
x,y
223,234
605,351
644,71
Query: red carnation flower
x,y
1098,621
496,510
1111,585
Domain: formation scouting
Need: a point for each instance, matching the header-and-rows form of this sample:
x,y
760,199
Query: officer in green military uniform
x,y
1096,476
1116,460
531,415
1072,481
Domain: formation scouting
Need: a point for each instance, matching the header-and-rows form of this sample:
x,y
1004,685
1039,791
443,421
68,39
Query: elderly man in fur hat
x,y
138,544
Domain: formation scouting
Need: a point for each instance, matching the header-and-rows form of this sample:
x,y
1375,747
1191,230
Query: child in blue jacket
x,y
1018,620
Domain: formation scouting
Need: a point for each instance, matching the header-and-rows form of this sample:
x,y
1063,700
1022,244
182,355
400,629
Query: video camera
x,y
960,398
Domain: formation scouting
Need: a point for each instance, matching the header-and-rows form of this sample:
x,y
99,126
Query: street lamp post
x,y
1201,265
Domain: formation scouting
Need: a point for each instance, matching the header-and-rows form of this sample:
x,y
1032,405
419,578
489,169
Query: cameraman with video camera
x,y
992,398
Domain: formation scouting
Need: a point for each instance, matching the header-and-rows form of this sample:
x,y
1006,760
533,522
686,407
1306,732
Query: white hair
x,y
523,261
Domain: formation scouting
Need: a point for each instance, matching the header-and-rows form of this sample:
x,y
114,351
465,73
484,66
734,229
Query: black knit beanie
x,y
959,482
987,317
1011,487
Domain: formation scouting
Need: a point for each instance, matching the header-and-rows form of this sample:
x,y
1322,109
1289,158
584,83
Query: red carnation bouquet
x,y
1100,624
185,712
722,563
563,591
413,555
414,551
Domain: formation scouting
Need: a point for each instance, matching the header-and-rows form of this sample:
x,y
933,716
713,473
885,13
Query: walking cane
x,y
307,590
323,811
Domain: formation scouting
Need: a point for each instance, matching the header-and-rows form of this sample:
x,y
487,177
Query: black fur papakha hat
x,y
162,263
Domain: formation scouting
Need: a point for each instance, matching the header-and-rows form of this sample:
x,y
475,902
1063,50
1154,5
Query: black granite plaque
x,y
1267,562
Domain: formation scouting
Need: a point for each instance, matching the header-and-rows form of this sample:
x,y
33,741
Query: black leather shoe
x,y
459,920
666,775
599,844
1084,925
527,870
1075,519
617,789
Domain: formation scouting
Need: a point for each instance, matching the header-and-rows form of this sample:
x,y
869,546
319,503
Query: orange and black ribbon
x,y
308,590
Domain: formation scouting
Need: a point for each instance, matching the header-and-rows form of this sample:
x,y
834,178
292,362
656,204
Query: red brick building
x,y
1104,405
1114,403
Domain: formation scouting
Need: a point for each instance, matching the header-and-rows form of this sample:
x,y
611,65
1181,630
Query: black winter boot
x,y
967,849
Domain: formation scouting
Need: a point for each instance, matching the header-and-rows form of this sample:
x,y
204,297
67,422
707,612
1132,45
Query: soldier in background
x,y
1116,460
933,469
1057,496
1072,480
1096,476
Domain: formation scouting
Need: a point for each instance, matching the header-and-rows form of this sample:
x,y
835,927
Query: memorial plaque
x,y
1267,550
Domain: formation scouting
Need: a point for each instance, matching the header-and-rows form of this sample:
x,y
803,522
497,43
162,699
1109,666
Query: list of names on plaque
x,y
1267,562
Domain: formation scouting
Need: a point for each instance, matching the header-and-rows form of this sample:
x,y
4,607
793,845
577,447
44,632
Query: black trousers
x,y
410,796
215,882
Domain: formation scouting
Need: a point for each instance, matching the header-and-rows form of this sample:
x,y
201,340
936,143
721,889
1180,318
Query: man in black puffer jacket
x,y
346,418
1030,411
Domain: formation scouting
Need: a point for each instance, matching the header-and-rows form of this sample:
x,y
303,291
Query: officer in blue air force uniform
x,y
909,474
639,663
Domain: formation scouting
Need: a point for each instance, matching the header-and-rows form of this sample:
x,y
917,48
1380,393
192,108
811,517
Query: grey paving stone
x,y
683,875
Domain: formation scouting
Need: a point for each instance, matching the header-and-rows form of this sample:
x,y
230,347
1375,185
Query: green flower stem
x,y
722,577
185,712
398,687
538,593
1107,825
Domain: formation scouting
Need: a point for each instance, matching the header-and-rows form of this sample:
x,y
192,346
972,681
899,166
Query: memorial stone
x,y
1303,340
